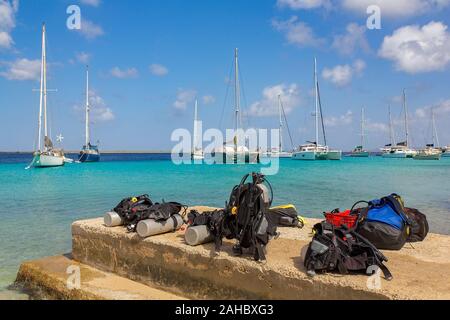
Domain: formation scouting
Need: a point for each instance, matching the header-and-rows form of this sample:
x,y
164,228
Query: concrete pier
x,y
164,263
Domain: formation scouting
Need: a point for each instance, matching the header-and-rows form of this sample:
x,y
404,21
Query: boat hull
x,y
89,157
394,155
235,158
446,155
304,155
428,157
277,155
47,161
334,155
362,154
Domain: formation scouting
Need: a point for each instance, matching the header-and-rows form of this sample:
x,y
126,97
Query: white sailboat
x,y
45,155
359,151
235,151
446,152
277,152
313,150
400,150
431,151
89,152
197,151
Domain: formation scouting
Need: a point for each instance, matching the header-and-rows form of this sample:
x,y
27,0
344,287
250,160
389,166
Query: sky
x,y
149,61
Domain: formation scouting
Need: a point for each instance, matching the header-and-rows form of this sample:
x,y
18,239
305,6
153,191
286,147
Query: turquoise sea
x,y
37,206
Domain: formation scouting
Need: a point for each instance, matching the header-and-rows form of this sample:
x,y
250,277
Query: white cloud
x,y
397,8
376,127
441,109
342,120
83,57
90,30
208,99
268,105
158,70
353,39
99,111
125,73
298,33
184,97
8,10
342,75
93,3
22,69
416,49
303,4
6,41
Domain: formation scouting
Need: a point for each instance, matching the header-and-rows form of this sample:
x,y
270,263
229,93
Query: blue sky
x,y
150,59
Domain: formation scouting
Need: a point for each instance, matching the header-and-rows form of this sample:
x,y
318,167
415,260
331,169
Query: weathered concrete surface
x,y
47,279
166,261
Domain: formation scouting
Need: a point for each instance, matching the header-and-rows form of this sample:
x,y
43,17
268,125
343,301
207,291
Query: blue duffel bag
x,y
384,223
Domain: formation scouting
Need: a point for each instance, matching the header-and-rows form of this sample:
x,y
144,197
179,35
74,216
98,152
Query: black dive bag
x,y
388,225
134,209
247,215
285,216
338,249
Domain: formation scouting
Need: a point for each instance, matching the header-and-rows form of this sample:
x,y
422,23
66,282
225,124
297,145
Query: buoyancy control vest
x,y
342,250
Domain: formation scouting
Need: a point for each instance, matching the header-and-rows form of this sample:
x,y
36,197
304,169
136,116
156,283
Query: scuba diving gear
x,y
151,227
196,235
343,250
112,219
286,216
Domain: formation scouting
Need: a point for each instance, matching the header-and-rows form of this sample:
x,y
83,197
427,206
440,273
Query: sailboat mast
x,y
405,107
237,93
316,94
280,144
362,127
391,128
87,109
435,135
41,90
195,142
44,77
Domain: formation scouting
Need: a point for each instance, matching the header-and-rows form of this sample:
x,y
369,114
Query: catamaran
x,y
400,150
277,152
446,152
45,155
359,151
431,150
89,153
235,151
313,150
197,151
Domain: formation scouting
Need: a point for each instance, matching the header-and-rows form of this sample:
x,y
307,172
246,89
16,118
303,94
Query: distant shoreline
x,y
103,152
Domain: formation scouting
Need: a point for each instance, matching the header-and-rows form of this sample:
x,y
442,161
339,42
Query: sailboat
x,y
400,150
432,150
446,152
235,151
45,155
277,152
89,152
197,152
313,150
359,151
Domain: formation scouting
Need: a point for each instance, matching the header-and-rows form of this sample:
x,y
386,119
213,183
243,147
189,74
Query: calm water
x,y
38,206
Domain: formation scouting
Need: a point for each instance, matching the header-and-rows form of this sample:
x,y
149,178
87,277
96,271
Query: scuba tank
x,y
151,227
112,219
196,235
